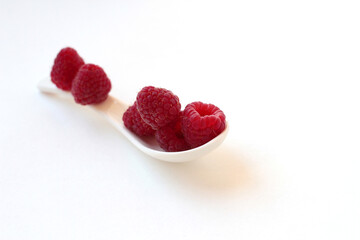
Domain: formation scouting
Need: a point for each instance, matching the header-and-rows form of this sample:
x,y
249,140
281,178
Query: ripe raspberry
x,y
133,121
170,137
66,65
201,123
157,106
90,85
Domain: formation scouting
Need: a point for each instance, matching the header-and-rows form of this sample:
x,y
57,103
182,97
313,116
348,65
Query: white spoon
x,y
113,109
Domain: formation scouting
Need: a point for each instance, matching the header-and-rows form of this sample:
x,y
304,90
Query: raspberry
x,y
90,85
157,106
202,122
66,65
133,121
170,137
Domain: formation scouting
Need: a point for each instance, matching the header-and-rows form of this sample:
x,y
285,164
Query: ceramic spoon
x,y
113,109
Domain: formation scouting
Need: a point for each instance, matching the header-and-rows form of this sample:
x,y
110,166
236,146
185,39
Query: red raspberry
x,y
170,137
66,65
133,121
157,106
90,85
201,123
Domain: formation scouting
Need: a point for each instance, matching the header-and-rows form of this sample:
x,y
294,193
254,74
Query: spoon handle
x,y
47,86
111,109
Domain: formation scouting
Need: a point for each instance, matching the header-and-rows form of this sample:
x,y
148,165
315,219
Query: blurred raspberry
x,y
66,65
90,85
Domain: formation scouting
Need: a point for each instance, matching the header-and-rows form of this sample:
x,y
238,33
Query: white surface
x,y
286,74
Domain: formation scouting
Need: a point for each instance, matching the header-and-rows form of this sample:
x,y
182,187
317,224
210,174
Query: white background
x,y
285,73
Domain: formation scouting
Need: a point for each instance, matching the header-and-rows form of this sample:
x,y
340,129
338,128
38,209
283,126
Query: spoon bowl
x,y
113,109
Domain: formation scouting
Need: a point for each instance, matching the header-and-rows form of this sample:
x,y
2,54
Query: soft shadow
x,y
225,169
